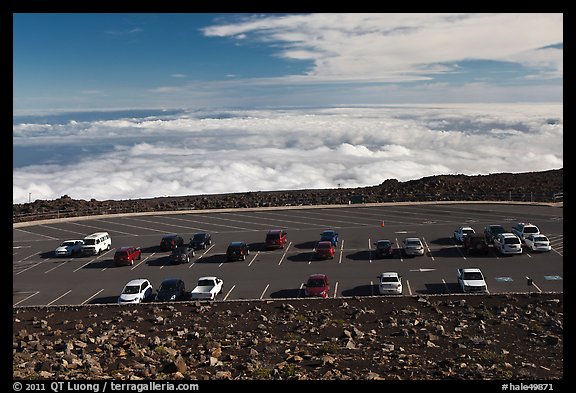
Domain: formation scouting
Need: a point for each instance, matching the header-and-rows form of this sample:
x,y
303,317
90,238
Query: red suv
x,y
126,255
276,238
317,285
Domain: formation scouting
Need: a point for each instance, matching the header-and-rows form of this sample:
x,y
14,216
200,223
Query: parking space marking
x,y
400,250
446,286
82,235
228,294
285,252
92,260
428,247
28,268
26,298
57,266
200,257
37,234
264,291
99,229
253,259
92,297
142,261
341,251
370,249
59,297
409,289
335,289
371,288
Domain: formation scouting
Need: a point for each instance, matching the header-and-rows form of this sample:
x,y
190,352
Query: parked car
x,y
390,282
537,243
412,246
491,231
96,243
201,240
181,254
324,250
317,285
171,289
461,232
126,255
383,248
237,251
471,280
170,241
523,229
69,248
330,235
276,238
207,288
476,243
508,243
136,291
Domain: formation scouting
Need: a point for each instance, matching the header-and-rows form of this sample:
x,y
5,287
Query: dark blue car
x,y
329,235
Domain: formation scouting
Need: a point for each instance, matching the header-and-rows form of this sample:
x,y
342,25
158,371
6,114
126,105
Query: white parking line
x,y
57,266
26,298
341,251
264,291
28,268
285,252
446,286
38,234
91,297
201,256
335,289
409,289
370,249
371,288
142,261
253,259
428,247
59,297
534,285
92,260
228,294
300,291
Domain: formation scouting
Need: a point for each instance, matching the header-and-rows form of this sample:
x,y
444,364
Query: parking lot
x,y
41,279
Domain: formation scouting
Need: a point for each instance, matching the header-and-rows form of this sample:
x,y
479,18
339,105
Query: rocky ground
x,y
474,337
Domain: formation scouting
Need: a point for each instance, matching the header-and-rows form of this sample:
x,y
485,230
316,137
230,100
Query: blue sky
x,y
115,61
127,106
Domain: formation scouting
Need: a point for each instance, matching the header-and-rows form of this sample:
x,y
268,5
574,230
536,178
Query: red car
x,y
324,250
126,255
276,238
317,285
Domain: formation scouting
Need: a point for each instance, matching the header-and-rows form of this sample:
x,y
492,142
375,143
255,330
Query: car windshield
x,y
131,289
167,287
65,244
389,279
467,231
530,230
205,283
472,276
540,239
90,242
315,283
121,253
324,245
511,240
199,237
497,230
413,243
383,245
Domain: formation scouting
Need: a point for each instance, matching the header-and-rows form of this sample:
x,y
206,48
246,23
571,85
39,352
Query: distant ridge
x,y
544,186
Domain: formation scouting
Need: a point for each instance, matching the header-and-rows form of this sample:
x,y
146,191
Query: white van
x,y
97,242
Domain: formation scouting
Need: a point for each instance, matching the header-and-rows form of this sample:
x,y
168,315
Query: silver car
x,y
412,246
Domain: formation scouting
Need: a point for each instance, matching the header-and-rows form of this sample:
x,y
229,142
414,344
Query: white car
x,y
207,288
472,280
412,246
461,232
523,229
508,243
537,242
69,248
390,282
136,291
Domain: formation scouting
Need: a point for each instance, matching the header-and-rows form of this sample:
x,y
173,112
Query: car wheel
x,y
244,257
187,259
131,262
140,256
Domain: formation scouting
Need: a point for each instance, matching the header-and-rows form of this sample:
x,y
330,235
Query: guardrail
x,y
177,205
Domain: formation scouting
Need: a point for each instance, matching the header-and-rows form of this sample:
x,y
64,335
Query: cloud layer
x,y
195,152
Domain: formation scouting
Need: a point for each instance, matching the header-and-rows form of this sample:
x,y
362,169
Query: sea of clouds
x,y
144,154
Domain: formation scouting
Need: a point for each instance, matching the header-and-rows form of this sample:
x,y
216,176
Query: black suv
x,y
181,254
475,243
237,251
200,240
170,242
491,232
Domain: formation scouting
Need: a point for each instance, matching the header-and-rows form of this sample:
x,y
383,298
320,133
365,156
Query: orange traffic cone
x,y
382,224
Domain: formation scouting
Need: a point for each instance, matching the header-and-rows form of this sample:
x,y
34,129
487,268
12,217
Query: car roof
x,y
73,240
171,280
466,228
383,240
325,243
200,234
124,248
389,274
317,276
137,281
508,234
275,231
471,270
236,244
329,231
169,235
412,238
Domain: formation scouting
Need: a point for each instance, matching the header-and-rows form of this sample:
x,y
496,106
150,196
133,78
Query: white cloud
x,y
384,47
205,152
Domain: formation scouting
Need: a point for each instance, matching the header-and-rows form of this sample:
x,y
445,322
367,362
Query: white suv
x,y
524,229
96,243
508,243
